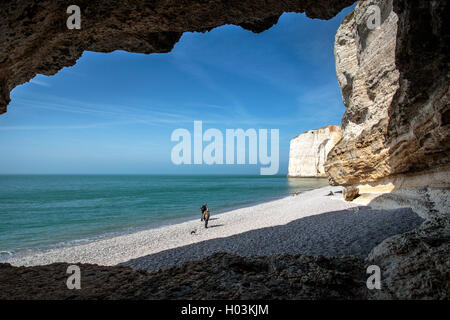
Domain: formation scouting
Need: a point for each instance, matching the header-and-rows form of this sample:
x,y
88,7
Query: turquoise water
x,y
42,211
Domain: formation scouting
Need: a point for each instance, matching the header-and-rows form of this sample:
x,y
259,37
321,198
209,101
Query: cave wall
x,y
395,85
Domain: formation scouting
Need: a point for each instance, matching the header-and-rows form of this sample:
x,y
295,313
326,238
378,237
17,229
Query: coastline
x,y
311,223
8,255
80,209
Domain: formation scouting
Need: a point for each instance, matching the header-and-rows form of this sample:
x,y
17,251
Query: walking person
x,y
203,208
205,217
205,214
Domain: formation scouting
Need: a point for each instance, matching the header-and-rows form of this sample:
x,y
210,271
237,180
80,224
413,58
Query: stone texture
x,y
415,265
309,150
350,193
220,276
409,192
395,145
35,38
395,84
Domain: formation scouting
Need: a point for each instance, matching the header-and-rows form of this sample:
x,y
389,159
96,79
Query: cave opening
x,y
228,77
393,155
114,113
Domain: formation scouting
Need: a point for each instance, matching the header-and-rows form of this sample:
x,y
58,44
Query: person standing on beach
x,y
205,217
205,214
203,209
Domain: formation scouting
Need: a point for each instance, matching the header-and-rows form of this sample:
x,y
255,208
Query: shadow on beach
x,y
215,226
346,232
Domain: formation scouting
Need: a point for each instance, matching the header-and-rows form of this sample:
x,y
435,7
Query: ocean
x,y
39,212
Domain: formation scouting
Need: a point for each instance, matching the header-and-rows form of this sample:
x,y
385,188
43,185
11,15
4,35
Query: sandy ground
x,y
311,223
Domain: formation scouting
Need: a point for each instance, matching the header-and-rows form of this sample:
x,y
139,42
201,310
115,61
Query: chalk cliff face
x,y
395,84
309,150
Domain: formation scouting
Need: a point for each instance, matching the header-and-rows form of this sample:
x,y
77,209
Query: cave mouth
x,y
228,77
420,58
113,113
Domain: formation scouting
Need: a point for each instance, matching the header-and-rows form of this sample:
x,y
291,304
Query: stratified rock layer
x,y
309,150
35,39
396,135
395,84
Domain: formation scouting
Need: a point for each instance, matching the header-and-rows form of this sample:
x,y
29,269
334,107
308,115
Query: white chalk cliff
x,y
309,150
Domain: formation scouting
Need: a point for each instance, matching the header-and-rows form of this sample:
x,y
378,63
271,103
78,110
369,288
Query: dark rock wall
x,y
395,84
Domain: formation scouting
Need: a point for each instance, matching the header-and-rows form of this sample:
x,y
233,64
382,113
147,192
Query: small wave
x,y
5,255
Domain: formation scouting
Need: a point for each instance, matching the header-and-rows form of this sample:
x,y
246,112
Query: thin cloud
x,y
81,126
40,83
324,103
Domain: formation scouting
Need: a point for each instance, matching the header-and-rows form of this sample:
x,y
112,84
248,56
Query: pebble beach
x,y
313,223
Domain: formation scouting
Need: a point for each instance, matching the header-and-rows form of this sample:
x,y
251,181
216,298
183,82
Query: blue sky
x,y
114,113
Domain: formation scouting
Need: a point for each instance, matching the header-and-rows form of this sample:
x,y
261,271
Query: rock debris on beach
x,y
221,276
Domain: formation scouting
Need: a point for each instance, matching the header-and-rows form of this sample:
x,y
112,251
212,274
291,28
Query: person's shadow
x,y
215,226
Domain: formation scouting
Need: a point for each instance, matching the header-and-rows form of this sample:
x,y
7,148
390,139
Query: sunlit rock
x,y
309,150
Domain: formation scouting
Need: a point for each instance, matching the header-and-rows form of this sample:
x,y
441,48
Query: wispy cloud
x,y
110,115
40,83
234,111
190,66
66,127
118,114
323,102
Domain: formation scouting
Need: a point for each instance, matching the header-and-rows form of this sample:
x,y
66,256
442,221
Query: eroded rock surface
x,y
415,265
395,84
220,276
309,150
350,193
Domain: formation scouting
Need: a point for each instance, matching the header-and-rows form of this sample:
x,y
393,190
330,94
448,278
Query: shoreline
x,y
135,212
310,223
14,255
